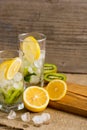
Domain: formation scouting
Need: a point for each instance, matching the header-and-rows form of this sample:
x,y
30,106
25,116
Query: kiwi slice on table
x,y
50,68
51,76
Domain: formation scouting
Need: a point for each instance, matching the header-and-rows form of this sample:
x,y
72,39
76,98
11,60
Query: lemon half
x,y
35,98
56,89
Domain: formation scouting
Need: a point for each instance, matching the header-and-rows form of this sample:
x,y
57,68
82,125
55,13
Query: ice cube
x,y
11,115
38,63
11,82
37,120
16,85
30,70
38,71
3,83
42,54
18,77
34,79
25,117
46,118
25,61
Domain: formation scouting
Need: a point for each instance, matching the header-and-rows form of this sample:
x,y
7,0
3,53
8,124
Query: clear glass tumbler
x,y
11,80
33,68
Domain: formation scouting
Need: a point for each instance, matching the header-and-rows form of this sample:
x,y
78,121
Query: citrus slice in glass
x,y
3,68
31,48
35,98
56,89
13,68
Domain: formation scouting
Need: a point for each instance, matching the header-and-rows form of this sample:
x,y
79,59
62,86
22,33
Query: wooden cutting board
x,y
75,101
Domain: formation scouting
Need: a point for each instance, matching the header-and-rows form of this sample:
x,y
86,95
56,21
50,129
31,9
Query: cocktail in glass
x,y
33,47
11,80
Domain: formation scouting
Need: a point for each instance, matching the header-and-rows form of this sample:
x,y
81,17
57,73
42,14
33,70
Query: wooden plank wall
x,y
63,21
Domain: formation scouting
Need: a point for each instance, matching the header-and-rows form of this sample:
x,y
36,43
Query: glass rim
x,y
10,50
13,53
43,36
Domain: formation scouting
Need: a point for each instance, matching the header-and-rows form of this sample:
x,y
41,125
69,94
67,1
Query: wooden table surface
x,y
59,120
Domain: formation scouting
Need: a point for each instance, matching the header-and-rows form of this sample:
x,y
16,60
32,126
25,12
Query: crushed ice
x,y
11,115
25,117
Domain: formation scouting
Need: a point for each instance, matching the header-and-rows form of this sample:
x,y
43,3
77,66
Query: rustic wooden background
x,y
63,21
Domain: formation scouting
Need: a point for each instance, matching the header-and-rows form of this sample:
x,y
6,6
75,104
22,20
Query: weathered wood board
x,y
75,101
63,21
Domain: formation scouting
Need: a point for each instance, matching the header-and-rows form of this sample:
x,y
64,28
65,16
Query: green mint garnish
x,y
28,76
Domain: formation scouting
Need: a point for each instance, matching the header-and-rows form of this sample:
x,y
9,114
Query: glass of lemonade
x,y
33,48
11,80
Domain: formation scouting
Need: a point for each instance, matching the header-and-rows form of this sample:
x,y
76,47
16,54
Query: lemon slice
x,y
13,68
31,48
56,89
35,98
3,68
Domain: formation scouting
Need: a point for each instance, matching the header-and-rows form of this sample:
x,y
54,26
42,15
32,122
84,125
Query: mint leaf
x,y
28,76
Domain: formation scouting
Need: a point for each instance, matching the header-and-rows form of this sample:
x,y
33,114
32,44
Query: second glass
x,y
11,80
33,68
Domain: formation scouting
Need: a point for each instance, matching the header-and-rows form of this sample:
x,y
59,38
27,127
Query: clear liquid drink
x,y
11,81
33,47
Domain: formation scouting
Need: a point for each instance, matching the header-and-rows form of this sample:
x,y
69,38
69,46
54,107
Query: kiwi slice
x,y
12,95
51,76
50,68
7,94
15,96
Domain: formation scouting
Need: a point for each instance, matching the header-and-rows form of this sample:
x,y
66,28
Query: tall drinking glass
x,y
11,80
33,57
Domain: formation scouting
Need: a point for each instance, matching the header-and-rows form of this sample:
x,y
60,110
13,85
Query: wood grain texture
x,y
75,101
63,21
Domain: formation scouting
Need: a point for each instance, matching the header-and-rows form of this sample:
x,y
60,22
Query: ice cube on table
x,y
25,117
46,118
37,120
11,115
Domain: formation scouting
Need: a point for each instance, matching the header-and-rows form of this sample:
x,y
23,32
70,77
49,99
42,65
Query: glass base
x,y
40,84
28,84
8,108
